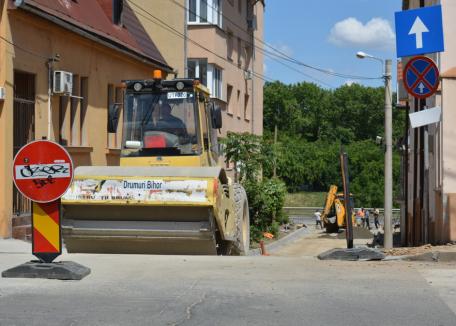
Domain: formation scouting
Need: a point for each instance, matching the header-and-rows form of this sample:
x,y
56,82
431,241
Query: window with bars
x,y
115,97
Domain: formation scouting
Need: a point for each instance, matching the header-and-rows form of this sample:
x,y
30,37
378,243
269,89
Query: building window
x,y
248,57
197,69
73,130
240,6
246,107
239,51
239,104
205,12
229,93
208,74
84,102
115,96
229,45
117,8
216,90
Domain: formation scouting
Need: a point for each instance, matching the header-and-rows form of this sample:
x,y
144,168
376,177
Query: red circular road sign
x,y
421,77
42,171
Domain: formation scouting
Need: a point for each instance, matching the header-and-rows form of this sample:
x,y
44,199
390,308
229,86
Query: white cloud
x,y
350,82
375,34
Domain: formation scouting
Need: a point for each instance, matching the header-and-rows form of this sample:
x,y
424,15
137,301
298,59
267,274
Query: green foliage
x,y
314,122
266,199
251,154
248,152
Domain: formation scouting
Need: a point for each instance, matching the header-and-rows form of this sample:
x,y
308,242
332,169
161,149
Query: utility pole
x,y
275,142
388,209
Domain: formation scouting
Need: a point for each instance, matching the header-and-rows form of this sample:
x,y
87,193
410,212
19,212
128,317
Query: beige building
x,y
100,42
431,161
225,53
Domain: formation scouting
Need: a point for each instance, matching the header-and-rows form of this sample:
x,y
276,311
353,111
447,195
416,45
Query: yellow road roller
x,y
169,195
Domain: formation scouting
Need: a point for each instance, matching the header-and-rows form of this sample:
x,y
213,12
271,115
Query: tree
x,y
313,122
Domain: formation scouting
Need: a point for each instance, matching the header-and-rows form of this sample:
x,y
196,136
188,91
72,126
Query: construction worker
x,y
317,215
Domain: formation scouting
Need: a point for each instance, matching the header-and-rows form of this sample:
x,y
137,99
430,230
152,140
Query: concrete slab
x,y
15,246
64,270
244,291
352,254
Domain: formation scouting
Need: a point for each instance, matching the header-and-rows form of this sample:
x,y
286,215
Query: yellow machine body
x,y
159,204
334,214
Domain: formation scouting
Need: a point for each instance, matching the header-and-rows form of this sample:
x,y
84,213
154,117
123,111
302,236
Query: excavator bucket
x,y
141,210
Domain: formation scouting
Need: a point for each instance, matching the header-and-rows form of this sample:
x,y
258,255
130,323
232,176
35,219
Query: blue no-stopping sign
x,y
421,77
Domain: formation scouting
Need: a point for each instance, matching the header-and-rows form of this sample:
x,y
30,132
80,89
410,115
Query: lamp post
x,y
388,201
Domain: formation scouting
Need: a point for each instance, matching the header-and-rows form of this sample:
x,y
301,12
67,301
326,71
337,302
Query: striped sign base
x,y
46,235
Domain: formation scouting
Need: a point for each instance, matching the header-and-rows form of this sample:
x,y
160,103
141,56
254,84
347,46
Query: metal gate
x,y
24,128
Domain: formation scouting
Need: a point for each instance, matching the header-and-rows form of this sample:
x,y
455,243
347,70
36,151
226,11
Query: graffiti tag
x,y
43,171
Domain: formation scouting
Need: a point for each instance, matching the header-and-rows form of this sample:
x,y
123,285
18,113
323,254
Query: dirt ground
x,y
406,251
317,241
314,243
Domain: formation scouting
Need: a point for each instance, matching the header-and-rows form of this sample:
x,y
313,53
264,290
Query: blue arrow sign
x,y
419,31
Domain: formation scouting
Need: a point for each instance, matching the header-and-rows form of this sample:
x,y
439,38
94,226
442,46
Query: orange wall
x,y
80,56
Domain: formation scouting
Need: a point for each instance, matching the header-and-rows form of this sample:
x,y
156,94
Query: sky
x,y
327,34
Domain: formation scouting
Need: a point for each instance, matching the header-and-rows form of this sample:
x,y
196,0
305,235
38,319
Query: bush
x,y
266,199
251,155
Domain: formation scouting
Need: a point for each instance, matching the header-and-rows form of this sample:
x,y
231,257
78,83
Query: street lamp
x,y
388,240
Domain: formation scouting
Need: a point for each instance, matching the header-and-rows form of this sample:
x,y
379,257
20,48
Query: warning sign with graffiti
x,y
138,190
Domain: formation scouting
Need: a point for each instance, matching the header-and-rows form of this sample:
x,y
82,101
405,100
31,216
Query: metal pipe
x,y
50,61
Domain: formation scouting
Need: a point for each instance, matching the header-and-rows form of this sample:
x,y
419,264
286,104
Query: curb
x,y
434,256
276,245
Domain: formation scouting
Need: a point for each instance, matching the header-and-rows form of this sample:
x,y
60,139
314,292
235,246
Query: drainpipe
x,y
252,119
50,64
185,39
50,61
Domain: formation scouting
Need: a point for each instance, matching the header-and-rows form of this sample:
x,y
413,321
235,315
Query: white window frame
x,y
214,13
215,85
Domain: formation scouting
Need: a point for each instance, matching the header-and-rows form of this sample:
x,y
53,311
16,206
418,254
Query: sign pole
x,y
46,231
43,172
347,202
388,200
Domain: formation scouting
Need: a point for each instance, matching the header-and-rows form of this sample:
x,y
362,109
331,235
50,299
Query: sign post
x,y
42,172
419,31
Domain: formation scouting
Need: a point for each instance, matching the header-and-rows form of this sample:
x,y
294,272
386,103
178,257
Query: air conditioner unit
x,y
63,82
248,74
252,23
2,93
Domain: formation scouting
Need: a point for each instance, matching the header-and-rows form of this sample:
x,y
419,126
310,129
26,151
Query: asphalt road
x,y
191,290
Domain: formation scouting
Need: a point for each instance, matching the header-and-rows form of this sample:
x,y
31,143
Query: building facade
x,y
224,51
430,160
101,42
